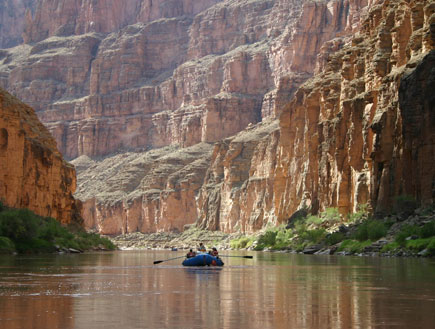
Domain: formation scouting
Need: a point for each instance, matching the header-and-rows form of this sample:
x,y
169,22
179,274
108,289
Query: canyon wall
x,y
165,72
142,191
359,132
252,108
33,173
13,19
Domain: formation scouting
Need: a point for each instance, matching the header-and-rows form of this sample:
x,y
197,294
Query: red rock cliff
x,y
360,131
174,72
12,20
33,173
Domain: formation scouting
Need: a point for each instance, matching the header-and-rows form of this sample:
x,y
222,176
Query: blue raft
x,y
203,260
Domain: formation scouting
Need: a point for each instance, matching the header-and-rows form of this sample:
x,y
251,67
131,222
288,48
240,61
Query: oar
x,y
165,260
250,257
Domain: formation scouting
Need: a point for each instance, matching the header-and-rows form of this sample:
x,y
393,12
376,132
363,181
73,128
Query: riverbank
x,y
24,232
409,233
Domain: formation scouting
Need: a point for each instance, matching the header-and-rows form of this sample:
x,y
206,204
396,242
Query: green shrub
x,y
431,247
268,238
313,236
334,238
427,230
32,233
300,227
314,220
35,245
406,231
417,244
284,237
392,246
331,215
2,206
242,242
376,230
354,246
6,245
362,214
370,230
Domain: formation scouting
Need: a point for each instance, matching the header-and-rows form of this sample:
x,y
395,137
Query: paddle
x,y
250,257
165,260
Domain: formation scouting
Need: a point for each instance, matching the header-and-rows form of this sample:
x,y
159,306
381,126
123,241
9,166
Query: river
x,y
123,289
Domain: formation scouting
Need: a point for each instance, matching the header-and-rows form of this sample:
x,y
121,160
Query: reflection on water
x,y
124,289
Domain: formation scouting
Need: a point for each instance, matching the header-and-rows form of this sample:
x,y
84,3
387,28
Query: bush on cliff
x,y
362,214
30,233
371,230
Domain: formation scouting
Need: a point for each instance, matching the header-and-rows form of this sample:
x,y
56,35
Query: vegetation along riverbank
x,y
408,231
22,231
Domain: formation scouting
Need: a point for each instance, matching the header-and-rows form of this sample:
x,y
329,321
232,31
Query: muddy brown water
x,y
124,289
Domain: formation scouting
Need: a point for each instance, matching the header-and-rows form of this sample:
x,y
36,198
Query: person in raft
x,y
191,254
201,247
214,252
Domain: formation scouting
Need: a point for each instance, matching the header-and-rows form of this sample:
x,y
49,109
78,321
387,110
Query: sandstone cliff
x,y
142,191
360,131
33,173
12,20
156,73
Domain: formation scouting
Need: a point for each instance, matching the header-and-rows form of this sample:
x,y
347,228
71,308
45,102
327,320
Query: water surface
x,y
124,289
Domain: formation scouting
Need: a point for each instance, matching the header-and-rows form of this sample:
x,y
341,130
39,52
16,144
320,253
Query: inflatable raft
x,y
203,260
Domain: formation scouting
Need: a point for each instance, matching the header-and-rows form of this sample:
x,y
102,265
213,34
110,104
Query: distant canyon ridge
x,y
229,114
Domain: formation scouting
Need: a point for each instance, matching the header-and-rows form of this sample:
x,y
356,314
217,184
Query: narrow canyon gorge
x,y
231,114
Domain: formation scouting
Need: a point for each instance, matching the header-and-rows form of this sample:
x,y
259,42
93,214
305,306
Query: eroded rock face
x,y
33,173
75,17
142,191
358,132
338,140
165,72
237,194
12,20
351,138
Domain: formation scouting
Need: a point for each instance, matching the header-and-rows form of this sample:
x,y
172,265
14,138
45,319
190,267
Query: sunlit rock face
x,y
106,76
33,173
110,75
237,194
142,191
358,132
235,79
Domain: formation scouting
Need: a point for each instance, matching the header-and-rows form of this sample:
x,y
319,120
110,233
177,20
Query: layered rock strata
x,y
361,131
166,72
12,20
237,194
358,140
142,191
33,173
